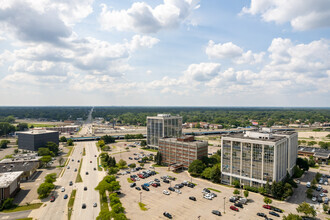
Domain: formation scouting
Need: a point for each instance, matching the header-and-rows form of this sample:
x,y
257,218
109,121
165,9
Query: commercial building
x,y
9,184
255,157
182,151
64,129
162,125
34,139
319,154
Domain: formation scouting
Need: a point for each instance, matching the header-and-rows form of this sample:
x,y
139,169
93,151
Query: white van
x,y
308,184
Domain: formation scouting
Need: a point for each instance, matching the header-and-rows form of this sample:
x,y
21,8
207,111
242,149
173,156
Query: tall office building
x,y
255,157
34,139
162,125
182,151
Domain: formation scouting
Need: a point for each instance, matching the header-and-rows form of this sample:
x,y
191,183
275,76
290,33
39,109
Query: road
x,y
15,215
91,180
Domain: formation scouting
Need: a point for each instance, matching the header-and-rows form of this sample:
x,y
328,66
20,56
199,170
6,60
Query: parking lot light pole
x,y
224,205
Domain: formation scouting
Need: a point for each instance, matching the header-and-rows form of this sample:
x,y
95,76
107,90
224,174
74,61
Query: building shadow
x,y
20,196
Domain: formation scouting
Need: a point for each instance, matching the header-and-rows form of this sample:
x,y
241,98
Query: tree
x,y
246,193
311,143
311,162
63,139
216,173
306,209
16,151
22,126
60,160
207,173
236,183
292,217
50,178
6,128
69,142
158,158
142,164
267,200
108,139
4,144
143,143
287,190
52,147
8,204
196,167
45,152
236,192
309,193
325,207
132,165
45,160
44,189
118,208
113,170
122,163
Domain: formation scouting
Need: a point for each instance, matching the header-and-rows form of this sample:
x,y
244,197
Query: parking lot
x,y
179,205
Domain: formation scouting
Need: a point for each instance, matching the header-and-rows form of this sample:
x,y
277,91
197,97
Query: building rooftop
x,y
7,178
18,166
181,140
161,116
260,136
36,132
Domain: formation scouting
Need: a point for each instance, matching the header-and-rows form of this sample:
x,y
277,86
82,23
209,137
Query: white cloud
x,y
142,41
142,18
202,71
232,51
305,15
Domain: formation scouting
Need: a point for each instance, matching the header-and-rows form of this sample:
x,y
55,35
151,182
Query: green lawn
x,y
98,164
84,152
40,125
24,219
79,179
215,190
156,165
104,204
142,206
71,202
23,208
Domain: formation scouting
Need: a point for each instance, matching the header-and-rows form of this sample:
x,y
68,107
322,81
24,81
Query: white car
x,y
62,189
178,191
166,192
322,195
325,183
314,199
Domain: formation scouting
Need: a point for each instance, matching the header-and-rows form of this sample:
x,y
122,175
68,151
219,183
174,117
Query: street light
x,y
224,205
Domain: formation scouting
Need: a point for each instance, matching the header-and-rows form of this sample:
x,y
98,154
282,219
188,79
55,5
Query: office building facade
x,y
253,158
182,150
34,139
162,125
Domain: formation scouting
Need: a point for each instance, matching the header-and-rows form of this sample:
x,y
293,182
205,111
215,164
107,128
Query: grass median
x,y
98,164
148,149
79,179
71,203
84,152
215,190
23,208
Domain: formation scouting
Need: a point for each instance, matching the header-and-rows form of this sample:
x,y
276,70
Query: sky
x,y
165,53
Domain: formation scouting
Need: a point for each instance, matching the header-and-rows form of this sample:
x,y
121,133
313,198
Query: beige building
x,y
9,184
182,151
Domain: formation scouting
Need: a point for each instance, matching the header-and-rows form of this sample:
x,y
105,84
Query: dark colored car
x,y
71,183
261,214
191,185
238,205
65,196
138,188
86,173
325,191
192,198
206,190
145,188
274,214
83,206
277,210
232,200
157,180
85,188
171,189
52,198
133,185
216,212
133,179
168,215
94,168
234,208
166,181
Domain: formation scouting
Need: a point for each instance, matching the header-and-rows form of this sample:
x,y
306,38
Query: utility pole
x,y
224,205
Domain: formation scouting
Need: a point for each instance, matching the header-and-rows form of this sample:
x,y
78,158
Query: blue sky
x,y
160,53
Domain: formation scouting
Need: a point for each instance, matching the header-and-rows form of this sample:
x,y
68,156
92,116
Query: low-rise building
x,y
319,154
64,129
34,139
28,167
9,184
182,150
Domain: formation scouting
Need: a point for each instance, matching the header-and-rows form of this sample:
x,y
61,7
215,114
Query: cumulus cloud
x,y
142,18
305,15
232,51
202,71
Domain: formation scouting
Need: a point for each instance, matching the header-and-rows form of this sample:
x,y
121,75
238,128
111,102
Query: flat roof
x,y
319,152
7,178
36,132
18,166
186,142
273,138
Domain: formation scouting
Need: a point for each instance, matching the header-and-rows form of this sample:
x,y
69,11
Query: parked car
x,y
192,198
166,192
178,191
274,214
168,215
191,185
234,208
145,188
85,188
238,205
75,170
65,196
71,183
308,184
83,206
68,167
314,199
267,206
322,194
94,204
133,185
52,198
325,191
206,190
216,212
277,209
86,173
326,200
62,189
319,199
261,214
138,188
166,181
94,168
171,189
